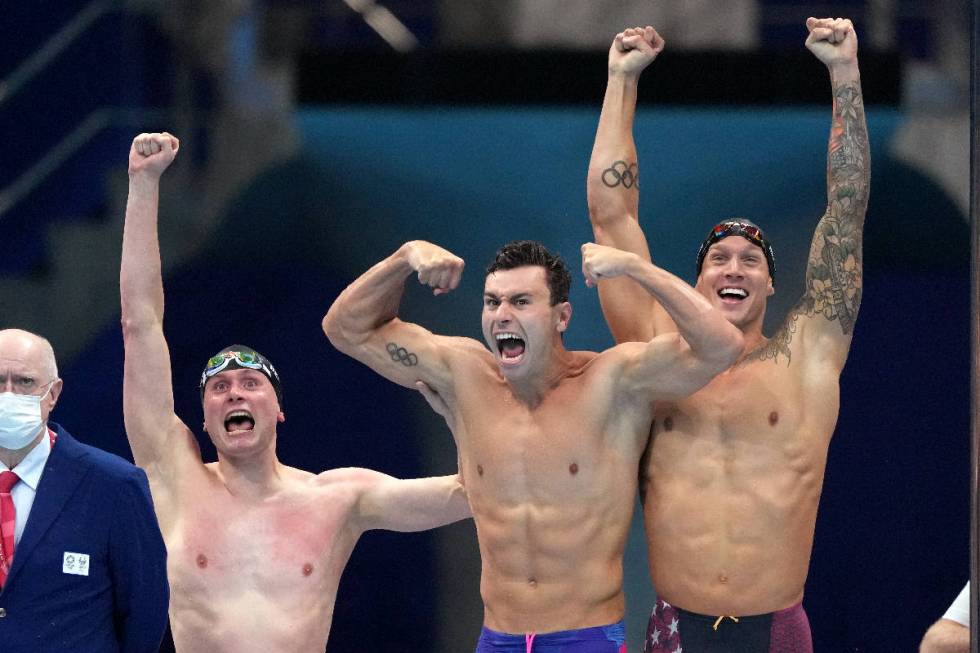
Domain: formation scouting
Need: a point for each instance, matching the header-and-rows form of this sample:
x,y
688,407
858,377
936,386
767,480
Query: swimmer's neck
x,y
753,340
532,389
255,477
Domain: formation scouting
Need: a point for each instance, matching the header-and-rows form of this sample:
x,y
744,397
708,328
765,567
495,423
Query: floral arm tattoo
x,y
834,268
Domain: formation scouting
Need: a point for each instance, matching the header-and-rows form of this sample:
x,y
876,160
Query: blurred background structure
x,y
318,136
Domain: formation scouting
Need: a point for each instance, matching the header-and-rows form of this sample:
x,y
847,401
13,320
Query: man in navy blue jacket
x,y
82,561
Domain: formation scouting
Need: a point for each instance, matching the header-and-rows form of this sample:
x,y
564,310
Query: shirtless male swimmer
x,y
255,548
549,440
734,472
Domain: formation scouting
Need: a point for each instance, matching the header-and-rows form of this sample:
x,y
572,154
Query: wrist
x,y
405,257
844,71
628,77
633,267
144,180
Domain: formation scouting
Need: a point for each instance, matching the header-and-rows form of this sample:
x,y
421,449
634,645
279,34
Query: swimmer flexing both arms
x,y
549,440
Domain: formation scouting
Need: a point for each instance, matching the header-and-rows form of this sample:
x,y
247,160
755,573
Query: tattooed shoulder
x,y
778,345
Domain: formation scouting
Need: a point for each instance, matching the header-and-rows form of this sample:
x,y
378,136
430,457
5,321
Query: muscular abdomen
x,y
732,485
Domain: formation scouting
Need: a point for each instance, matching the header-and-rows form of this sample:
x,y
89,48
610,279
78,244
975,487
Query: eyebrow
x,y
17,377
514,297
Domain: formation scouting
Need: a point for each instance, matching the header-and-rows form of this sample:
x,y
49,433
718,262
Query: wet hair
x,y
738,227
522,253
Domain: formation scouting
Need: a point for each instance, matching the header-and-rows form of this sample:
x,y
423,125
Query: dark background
x,y
470,147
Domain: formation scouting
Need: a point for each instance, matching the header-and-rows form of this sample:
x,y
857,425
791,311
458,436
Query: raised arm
x,y
415,504
672,364
363,321
148,404
613,187
832,295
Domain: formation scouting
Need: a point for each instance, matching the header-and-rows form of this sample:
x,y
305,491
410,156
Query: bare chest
x,y
281,546
757,402
567,446
758,415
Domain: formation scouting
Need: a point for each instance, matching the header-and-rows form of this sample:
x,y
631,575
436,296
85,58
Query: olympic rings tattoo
x,y
402,355
621,172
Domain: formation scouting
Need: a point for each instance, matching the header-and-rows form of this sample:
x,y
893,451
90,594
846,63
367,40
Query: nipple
x,y
202,561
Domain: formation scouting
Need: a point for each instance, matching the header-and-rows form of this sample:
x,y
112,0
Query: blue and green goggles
x,y
241,357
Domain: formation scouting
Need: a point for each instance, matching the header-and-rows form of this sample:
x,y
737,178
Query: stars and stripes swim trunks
x,y
673,630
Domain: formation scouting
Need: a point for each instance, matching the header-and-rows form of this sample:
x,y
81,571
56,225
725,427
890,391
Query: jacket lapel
x,y
63,471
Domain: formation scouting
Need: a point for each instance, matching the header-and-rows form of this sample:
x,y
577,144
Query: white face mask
x,y
20,419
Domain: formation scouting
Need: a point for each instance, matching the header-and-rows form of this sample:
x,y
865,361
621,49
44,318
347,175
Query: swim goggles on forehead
x,y
237,359
221,361
748,231
738,228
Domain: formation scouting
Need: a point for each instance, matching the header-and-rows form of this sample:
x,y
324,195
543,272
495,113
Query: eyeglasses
x,y
221,361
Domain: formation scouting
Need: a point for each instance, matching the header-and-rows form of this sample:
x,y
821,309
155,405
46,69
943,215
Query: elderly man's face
x,y
27,367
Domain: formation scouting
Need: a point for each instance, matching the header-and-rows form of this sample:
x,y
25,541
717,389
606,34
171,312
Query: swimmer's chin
x,y
510,362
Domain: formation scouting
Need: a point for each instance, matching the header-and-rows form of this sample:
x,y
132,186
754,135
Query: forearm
x,y
431,507
614,195
848,156
835,265
416,504
140,275
147,387
705,330
368,303
612,185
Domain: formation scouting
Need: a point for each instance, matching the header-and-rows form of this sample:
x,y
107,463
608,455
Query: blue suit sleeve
x,y
138,563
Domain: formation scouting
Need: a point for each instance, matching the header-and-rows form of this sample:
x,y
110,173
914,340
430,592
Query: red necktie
x,y
8,522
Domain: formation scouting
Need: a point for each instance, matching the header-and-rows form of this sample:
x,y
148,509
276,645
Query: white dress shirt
x,y
960,610
29,470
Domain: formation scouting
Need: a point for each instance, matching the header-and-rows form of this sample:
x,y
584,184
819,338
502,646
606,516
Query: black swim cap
x,y
241,357
738,227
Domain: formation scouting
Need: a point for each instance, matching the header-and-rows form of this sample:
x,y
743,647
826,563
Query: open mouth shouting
x,y
239,420
732,294
510,346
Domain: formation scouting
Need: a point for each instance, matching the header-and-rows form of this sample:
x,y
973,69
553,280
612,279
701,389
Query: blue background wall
x,y
891,545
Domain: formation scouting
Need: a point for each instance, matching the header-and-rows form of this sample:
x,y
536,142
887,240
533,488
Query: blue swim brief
x,y
600,639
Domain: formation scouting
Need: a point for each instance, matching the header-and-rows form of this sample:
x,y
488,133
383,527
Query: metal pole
x,y
975,329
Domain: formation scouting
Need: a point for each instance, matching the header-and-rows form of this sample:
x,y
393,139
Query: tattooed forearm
x,y
834,269
621,173
402,355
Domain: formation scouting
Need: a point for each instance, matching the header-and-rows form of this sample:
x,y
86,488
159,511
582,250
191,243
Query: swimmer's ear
x,y
564,316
